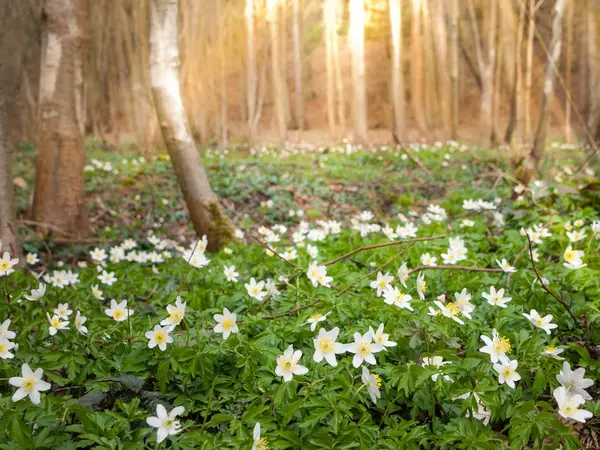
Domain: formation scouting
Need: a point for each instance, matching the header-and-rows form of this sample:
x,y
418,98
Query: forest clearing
x,y
299,224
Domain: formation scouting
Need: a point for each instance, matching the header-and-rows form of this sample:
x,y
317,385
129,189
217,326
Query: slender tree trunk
x,y
487,78
592,63
278,84
59,197
356,35
529,69
444,70
297,44
430,79
9,237
515,104
568,69
222,87
397,82
531,164
329,20
454,69
205,211
416,73
283,39
250,69
339,82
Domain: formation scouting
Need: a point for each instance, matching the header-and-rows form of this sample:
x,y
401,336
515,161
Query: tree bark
x,y
356,36
531,164
250,69
416,73
205,211
297,45
278,84
9,238
339,82
568,69
222,88
59,196
397,82
515,105
529,69
329,20
487,78
454,69
438,11
593,119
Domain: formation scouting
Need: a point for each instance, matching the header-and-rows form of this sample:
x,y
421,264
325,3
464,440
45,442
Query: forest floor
x,y
379,238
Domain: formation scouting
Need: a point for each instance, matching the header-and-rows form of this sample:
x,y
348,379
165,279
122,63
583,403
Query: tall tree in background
x,y
516,88
9,238
454,66
531,11
356,36
297,45
251,82
416,67
222,86
279,92
593,119
568,69
438,11
487,70
205,211
58,201
397,82
531,163
330,30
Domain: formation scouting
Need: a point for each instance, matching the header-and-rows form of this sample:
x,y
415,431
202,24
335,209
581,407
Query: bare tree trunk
x,y
568,69
251,68
283,28
593,119
339,82
529,69
9,237
531,164
487,78
205,211
329,19
454,69
279,91
429,81
416,73
59,197
222,87
515,104
443,72
356,36
397,82
297,44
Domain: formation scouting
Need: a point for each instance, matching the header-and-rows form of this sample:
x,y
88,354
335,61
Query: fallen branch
x,y
417,161
546,288
469,269
385,244
389,261
265,245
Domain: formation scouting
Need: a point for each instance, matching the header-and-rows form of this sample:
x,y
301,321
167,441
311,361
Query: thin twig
x,y
515,265
469,269
385,244
265,245
417,161
389,261
544,287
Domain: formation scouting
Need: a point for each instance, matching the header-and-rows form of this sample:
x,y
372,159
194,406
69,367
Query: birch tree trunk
x,y
279,87
515,104
593,119
356,36
529,70
9,238
454,69
205,211
397,82
416,73
531,164
251,68
297,45
568,69
487,78
58,201
329,20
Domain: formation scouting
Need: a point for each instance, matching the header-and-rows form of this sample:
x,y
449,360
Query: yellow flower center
x,y
55,322
316,316
569,255
452,309
118,314
550,349
28,384
228,323
540,322
2,347
4,266
502,345
326,345
422,285
363,349
176,315
262,444
377,379
160,337
507,372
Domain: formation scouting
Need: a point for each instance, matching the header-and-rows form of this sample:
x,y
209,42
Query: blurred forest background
x,y
465,69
